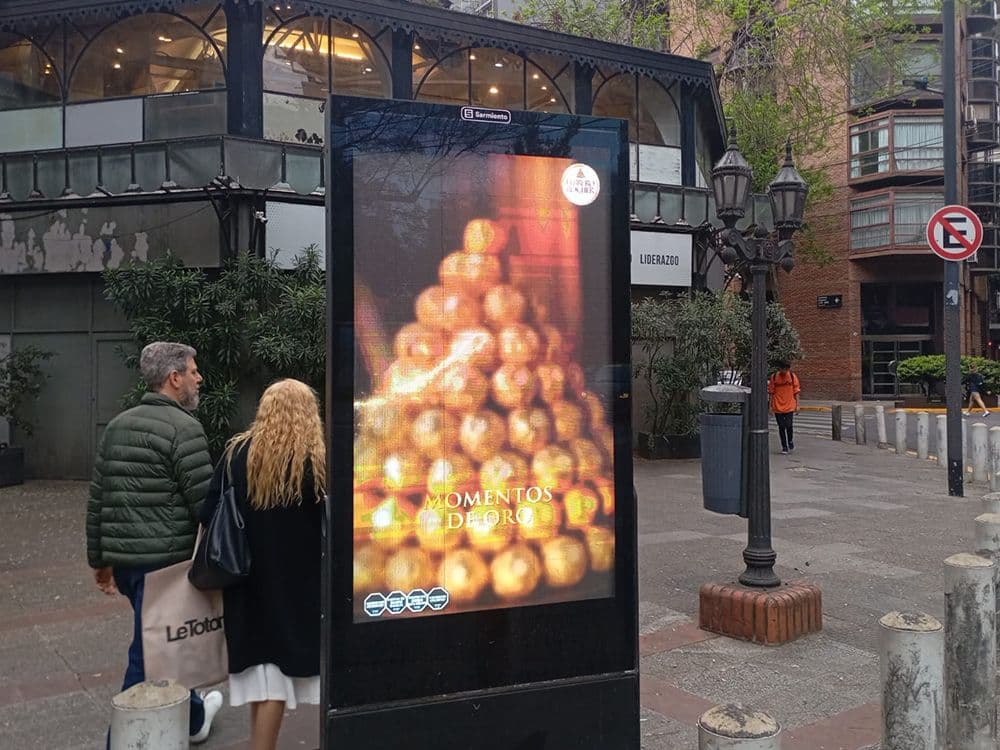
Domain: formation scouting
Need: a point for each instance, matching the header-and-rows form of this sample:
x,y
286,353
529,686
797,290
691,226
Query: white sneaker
x,y
213,702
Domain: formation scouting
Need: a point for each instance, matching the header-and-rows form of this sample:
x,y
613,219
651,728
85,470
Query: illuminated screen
x,y
483,470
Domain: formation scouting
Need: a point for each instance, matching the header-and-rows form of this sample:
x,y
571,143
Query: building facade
x,y
877,297
129,128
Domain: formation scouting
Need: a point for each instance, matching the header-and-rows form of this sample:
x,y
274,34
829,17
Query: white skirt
x,y
265,682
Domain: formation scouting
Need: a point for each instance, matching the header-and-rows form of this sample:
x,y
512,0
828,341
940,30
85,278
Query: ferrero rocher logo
x,y
482,464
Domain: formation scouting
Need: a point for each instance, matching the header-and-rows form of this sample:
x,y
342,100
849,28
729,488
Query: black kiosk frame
x,y
546,676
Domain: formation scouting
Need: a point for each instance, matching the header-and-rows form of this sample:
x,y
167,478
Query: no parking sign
x,y
954,232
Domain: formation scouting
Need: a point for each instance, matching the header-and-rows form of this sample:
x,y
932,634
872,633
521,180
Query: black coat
x,y
273,617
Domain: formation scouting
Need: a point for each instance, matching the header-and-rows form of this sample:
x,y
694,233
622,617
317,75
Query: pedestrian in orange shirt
x,y
783,388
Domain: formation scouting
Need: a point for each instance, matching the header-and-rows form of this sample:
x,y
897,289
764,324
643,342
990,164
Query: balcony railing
x,y
159,169
684,207
981,16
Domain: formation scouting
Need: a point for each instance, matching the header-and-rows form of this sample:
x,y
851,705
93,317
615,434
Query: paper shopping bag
x,y
182,635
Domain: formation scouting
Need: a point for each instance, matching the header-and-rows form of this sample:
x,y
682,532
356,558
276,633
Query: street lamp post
x,y
731,180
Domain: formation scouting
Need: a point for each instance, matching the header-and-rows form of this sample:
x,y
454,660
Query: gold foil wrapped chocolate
x,y
514,386
518,344
420,343
484,236
487,528
538,521
588,458
449,310
453,473
529,430
404,471
369,569
600,547
503,305
477,346
574,379
581,505
503,472
389,520
565,561
482,434
470,273
595,409
553,467
367,463
384,423
567,420
409,384
409,568
434,432
462,387
464,575
515,572
554,346
432,530
551,382
606,491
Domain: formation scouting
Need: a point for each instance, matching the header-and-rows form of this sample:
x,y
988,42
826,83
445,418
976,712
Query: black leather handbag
x,y
222,558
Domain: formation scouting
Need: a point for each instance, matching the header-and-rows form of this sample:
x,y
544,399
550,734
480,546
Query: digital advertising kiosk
x,y
480,586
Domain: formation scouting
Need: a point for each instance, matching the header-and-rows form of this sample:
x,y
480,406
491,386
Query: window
x,y
898,144
912,211
880,71
870,222
489,77
870,148
28,77
918,143
151,54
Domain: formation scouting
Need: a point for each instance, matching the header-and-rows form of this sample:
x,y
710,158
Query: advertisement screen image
x,y
483,455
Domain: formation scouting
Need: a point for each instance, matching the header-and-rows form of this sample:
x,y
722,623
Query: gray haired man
x,y
151,474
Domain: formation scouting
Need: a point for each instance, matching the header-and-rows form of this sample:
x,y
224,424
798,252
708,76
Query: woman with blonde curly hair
x,y
277,469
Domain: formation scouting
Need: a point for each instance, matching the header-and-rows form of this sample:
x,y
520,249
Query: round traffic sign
x,y
954,232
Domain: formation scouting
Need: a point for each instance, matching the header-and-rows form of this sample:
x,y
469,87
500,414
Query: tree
x,y
250,322
784,66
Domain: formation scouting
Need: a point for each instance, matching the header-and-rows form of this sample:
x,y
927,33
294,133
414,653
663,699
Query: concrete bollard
x,y
836,422
900,419
880,431
994,440
923,434
980,452
911,666
970,652
151,716
942,440
988,546
991,502
859,424
733,727
965,445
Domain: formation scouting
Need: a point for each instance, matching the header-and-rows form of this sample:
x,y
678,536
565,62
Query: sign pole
x,y
952,331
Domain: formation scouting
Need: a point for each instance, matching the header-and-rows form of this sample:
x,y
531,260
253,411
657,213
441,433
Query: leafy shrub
x,y
21,380
929,369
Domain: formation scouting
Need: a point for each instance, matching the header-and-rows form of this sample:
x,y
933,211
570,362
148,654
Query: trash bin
x,y
723,441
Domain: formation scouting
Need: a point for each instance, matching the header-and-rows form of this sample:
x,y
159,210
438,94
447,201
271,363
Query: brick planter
x,y
768,616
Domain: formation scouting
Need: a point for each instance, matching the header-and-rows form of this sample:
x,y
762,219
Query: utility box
x,y
723,445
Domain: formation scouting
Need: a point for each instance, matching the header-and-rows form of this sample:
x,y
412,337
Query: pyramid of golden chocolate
x,y
481,463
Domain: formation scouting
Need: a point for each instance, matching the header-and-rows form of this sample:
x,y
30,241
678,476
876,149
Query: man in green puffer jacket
x,y
151,474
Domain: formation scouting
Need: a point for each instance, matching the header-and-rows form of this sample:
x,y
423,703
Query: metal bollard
x,y
836,422
991,502
859,424
970,652
911,666
880,430
900,419
151,716
980,452
965,445
923,434
994,440
942,440
733,727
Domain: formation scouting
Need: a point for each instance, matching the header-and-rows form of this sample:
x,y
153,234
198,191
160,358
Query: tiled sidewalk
x,y
867,527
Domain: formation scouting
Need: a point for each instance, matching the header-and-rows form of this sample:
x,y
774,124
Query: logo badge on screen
x,y
580,184
374,605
